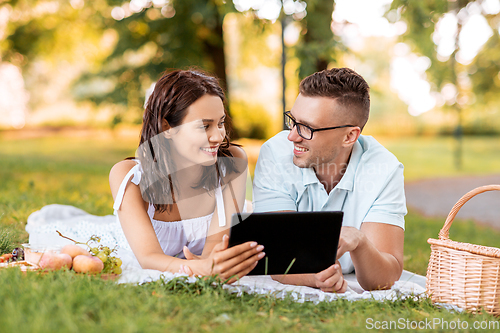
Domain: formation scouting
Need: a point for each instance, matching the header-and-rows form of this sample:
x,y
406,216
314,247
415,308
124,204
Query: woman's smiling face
x,y
197,140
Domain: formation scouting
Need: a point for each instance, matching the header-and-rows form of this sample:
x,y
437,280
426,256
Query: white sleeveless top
x,y
173,236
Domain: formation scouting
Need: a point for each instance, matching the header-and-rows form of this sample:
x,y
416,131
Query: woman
x,y
173,201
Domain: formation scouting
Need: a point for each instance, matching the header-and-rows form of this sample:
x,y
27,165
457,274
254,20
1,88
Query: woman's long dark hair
x,y
174,92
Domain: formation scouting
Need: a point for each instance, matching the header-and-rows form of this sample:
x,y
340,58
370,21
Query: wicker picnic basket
x,y
464,274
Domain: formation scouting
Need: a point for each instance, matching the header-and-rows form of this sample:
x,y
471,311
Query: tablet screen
x,y
294,242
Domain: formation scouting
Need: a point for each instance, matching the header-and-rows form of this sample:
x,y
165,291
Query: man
x,y
324,164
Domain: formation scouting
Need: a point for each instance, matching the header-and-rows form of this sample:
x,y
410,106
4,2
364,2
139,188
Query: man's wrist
x,y
362,243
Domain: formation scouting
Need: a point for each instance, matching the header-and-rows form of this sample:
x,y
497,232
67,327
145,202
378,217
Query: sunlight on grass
x,y
426,157
58,169
419,229
432,157
74,171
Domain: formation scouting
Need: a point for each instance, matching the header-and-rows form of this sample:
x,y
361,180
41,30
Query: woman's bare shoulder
x,y
238,152
118,173
239,162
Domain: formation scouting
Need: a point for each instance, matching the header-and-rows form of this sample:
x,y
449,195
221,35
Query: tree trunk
x,y
318,45
215,50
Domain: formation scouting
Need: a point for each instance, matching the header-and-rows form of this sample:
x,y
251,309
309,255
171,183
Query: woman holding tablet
x,y
174,199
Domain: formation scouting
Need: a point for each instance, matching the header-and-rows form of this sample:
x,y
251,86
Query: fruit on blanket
x,y
6,257
55,261
103,256
74,250
110,263
86,264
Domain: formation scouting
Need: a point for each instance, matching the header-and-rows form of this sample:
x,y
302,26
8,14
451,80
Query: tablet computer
x,y
294,242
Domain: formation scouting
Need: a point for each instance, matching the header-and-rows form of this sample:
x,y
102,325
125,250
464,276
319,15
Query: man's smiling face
x,y
324,147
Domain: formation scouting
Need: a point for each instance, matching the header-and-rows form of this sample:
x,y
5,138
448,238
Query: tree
x,y
53,33
179,34
475,82
144,41
122,46
423,17
318,47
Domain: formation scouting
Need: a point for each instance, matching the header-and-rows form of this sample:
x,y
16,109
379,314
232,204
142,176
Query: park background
x,y
74,75
432,66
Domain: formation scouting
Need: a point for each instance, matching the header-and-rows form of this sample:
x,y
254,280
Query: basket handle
x,y
445,231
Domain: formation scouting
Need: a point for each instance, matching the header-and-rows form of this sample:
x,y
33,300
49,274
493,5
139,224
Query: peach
x,y
86,264
55,261
74,250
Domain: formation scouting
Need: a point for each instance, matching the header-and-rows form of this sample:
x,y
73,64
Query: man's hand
x,y
331,279
350,239
376,251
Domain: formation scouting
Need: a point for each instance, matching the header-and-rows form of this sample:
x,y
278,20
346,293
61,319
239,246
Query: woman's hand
x,y
331,279
225,262
189,255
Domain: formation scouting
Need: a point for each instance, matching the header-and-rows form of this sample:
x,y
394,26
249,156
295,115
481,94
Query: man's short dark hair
x,y
347,87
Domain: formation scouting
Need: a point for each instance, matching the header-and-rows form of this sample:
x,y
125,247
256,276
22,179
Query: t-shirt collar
x,y
347,181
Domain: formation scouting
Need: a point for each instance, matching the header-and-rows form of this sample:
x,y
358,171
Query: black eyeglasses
x,y
305,131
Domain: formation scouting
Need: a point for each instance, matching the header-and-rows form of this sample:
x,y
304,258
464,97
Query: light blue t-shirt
x,y
371,189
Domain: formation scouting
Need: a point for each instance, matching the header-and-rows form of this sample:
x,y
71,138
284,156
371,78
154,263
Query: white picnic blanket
x,y
409,285
80,225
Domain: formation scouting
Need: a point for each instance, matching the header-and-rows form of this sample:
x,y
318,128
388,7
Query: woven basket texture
x,y
463,274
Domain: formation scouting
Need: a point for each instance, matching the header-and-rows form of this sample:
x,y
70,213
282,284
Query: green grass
x,y
6,241
432,157
65,302
420,229
57,169
74,171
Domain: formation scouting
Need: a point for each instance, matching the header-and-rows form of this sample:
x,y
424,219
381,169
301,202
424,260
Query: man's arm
x,y
376,252
376,248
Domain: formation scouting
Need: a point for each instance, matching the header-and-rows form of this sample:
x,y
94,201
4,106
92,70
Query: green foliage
x,y
148,43
421,18
318,46
6,243
253,43
252,121
119,59
53,31
50,38
485,71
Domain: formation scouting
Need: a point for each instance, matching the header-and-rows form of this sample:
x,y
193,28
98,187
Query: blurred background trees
x,y
466,73
121,47
418,56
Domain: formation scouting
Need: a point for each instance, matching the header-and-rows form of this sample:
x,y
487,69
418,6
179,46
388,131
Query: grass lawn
x,y
431,157
73,170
